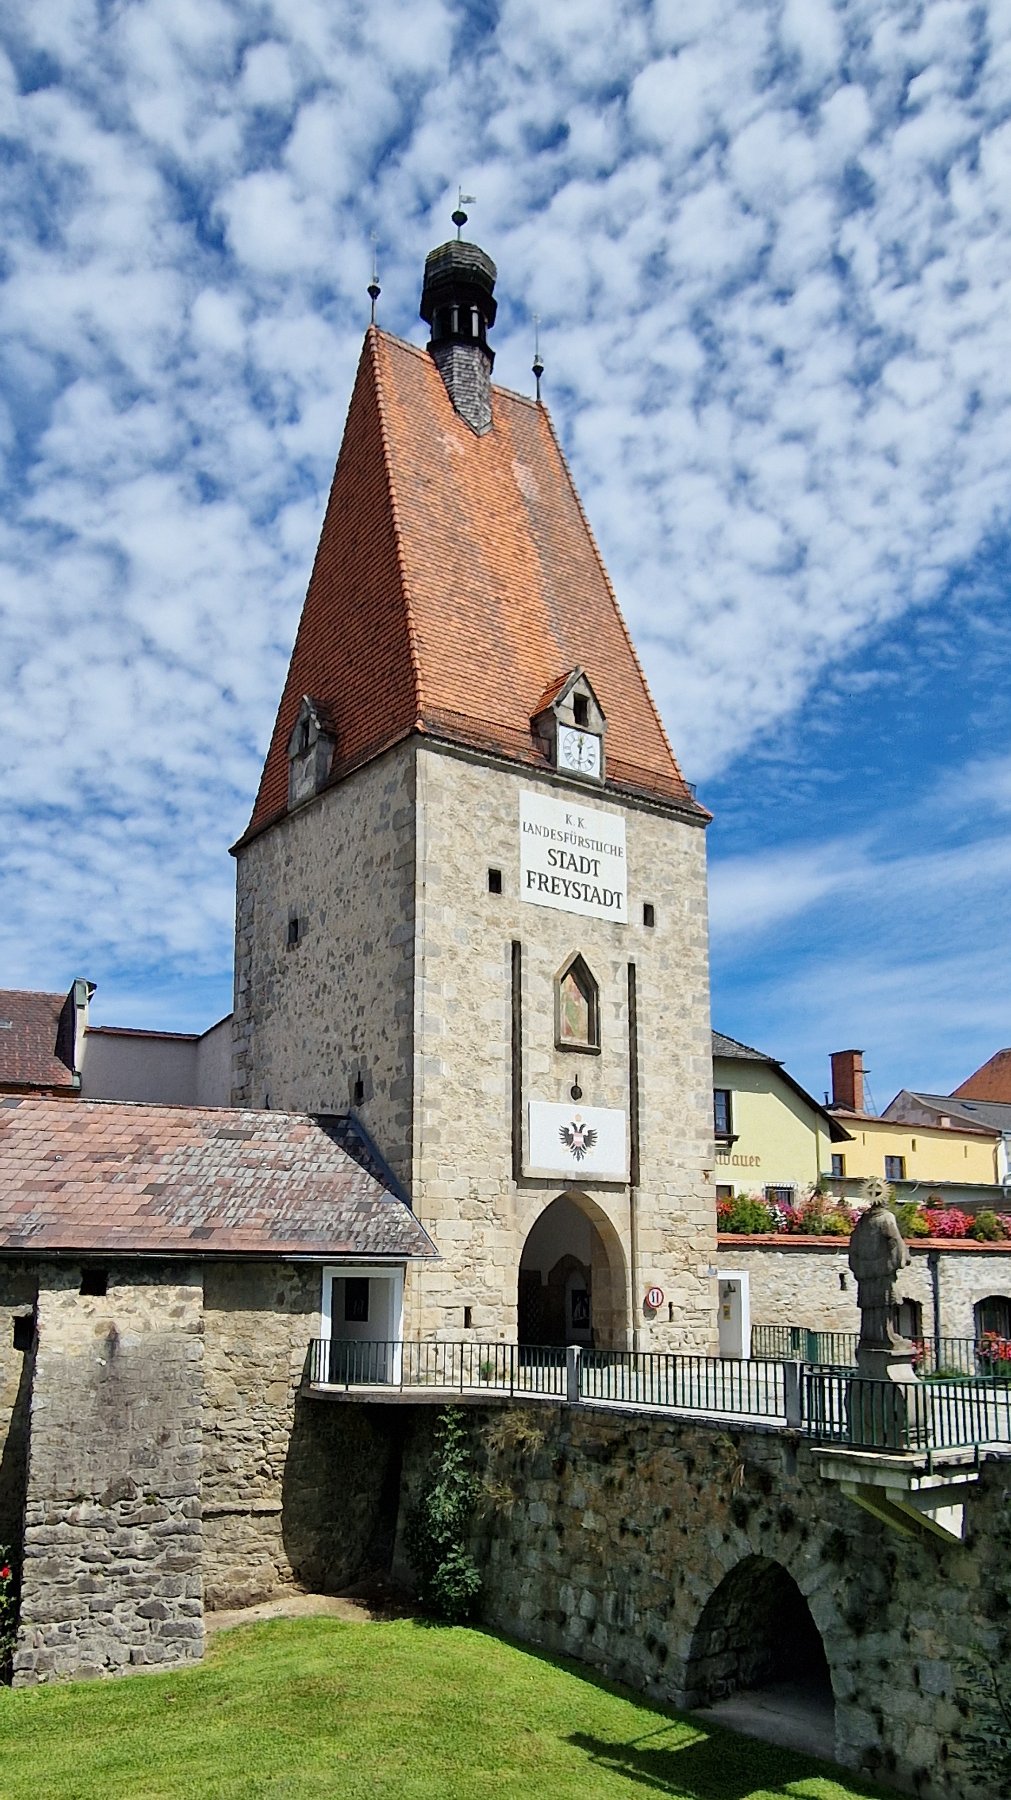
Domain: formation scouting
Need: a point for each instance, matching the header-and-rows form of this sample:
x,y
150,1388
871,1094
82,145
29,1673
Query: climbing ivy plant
x,y
438,1526
988,1736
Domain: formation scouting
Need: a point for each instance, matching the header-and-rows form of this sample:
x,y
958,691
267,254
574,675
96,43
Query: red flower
x,y
5,1572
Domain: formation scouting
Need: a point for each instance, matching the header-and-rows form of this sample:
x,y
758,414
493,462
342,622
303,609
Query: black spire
x,y
374,290
538,365
458,303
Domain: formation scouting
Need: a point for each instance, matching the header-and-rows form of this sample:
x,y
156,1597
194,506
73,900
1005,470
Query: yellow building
x,y
961,1161
772,1137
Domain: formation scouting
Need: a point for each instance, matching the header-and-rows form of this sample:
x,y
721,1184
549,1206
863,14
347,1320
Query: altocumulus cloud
x,y
770,246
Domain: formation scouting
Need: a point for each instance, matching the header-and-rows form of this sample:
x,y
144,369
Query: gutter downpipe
x,y
934,1266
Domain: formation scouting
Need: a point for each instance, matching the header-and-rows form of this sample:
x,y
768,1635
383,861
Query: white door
x,y
362,1316
734,1301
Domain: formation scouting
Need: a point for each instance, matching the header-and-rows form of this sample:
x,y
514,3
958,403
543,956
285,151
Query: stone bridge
x,y
692,1559
167,1450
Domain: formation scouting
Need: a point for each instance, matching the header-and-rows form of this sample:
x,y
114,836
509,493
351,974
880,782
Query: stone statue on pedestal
x,y
877,1253
885,1403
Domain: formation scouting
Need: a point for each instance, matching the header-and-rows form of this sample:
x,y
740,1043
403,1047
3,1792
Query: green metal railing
x,y
842,1408
950,1356
829,1405
462,1367
797,1343
683,1383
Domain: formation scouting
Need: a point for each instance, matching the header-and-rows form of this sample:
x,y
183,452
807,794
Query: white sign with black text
x,y
578,1141
573,858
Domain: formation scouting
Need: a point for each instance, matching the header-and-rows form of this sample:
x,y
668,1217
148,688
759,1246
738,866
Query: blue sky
x,y
769,244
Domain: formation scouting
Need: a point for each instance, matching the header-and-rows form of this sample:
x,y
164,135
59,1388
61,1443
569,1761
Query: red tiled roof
x,y
29,1029
456,581
991,1082
110,1176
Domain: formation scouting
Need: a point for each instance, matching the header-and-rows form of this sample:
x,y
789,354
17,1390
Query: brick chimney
x,y
848,1079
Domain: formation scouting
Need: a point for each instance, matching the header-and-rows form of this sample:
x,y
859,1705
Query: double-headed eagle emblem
x,y
577,1137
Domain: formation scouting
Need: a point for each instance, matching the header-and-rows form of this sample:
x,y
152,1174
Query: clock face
x,y
578,750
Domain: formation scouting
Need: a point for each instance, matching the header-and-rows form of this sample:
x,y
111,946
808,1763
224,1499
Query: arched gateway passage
x,y
758,1661
571,1287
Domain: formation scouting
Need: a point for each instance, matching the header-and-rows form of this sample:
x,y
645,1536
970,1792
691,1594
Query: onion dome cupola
x,y
458,303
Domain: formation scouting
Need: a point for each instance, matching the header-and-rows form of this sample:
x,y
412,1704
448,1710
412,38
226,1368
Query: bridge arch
x,y
756,1636
572,1283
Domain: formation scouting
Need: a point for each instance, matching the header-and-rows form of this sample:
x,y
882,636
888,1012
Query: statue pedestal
x,y
886,1406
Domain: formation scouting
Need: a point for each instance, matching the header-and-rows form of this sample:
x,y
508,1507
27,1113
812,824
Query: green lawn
x,y
398,1711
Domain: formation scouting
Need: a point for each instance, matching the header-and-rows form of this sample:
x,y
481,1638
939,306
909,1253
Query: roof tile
x,y
29,1030
992,1081
457,581
176,1181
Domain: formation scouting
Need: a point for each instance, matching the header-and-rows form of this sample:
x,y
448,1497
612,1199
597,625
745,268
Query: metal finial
x,y
538,364
460,217
374,290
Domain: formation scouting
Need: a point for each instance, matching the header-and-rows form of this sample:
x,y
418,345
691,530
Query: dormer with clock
x,y
569,725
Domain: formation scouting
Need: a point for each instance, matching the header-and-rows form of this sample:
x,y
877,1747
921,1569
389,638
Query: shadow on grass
x,y
682,1756
709,1763
714,1765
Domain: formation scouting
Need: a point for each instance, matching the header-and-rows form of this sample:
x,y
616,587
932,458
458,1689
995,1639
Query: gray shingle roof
x,y
995,1113
728,1046
113,1176
35,1041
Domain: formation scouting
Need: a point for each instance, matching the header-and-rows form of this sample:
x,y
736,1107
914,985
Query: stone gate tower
x,y
471,896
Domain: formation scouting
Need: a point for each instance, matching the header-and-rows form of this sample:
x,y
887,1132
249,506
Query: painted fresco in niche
x,y
575,1011
576,1008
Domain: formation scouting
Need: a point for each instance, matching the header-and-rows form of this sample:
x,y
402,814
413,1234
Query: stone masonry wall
x,y
174,1462
464,1192
111,1573
286,1498
18,1283
608,1536
798,1282
401,978
311,1016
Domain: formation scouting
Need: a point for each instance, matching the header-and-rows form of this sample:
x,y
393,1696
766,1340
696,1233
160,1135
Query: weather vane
x,y
460,217
538,364
374,290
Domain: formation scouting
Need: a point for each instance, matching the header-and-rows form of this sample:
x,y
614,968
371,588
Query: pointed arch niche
x,y
577,1007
